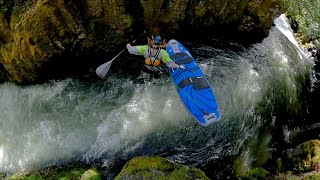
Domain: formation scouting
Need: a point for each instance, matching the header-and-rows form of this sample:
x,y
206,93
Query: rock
x,y
303,176
72,171
302,158
82,36
2,176
257,173
157,168
91,174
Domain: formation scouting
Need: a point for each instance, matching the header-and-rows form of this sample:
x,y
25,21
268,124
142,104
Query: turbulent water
x,y
116,117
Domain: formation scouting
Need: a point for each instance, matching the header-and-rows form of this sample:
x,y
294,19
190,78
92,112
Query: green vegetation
x,y
256,174
306,13
305,176
74,172
92,174
158,168
37,35
2,176
303,158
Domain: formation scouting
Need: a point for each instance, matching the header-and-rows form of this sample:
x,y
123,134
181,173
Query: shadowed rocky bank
x,y
47,39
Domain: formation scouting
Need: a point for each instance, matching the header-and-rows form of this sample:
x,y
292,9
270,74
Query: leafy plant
x,y
306,13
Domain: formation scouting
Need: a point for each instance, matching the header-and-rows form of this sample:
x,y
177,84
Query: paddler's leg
x,y
146,74
156,77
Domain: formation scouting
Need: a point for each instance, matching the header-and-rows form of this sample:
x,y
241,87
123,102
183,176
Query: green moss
x,y
74,172
3,7
305,176
2,176
256,174
303,158
269,9
201,11
239,165
279,165
92,174
115,16
314,176
37,35
307,16
5,34
158,168
48,29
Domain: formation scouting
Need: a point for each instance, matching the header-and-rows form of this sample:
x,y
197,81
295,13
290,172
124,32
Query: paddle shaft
x,y
103,69
126,48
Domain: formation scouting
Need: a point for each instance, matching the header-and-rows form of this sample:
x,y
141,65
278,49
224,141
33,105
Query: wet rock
x,y
257,173
82,36
158,168
71,171
303,176
91,174
302,158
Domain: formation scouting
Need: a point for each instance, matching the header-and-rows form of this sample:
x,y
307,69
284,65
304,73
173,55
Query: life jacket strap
x,y
153,60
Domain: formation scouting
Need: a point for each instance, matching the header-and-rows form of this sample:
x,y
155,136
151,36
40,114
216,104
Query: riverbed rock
x,y
302,158
2,176
158,168
91,174
302,176
72,171
256,173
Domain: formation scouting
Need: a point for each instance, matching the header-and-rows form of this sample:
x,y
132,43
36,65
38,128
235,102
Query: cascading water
x,y
48,124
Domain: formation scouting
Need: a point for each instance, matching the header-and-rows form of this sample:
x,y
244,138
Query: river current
x,y
118,118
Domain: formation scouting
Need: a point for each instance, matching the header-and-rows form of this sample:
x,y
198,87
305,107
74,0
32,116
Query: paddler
x,y
154,57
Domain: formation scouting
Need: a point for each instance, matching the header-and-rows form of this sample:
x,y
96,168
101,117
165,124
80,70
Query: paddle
x,y
103,69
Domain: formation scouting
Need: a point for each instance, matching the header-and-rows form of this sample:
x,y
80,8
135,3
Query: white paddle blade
x,y
103,69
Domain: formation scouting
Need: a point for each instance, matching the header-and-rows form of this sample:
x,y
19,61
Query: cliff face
x,y
35,34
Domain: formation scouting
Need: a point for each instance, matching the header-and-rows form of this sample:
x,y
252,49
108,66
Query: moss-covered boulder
x,y
75,171
158,168
303,176
43,30
36,34
255,174
92,174
303,158
2,176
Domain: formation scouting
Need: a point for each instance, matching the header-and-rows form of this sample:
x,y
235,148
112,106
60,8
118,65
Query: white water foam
x,y
151,109
282,23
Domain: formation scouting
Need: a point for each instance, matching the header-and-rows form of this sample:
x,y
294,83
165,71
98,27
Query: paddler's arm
x,y
166,59
137,50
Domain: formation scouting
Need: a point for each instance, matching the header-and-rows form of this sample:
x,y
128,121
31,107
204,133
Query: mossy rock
x,y
256,174
74,172
303,158
2,176
158,168
5,33
305,176
34,37
37,35
92,174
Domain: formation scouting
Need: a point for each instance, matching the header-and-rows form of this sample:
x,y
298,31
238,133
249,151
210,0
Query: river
x,y
118,118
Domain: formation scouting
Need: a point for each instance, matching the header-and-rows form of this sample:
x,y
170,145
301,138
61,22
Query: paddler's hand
x,y
177,66
182,67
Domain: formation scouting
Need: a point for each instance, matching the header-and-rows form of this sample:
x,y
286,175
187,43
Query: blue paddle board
x,y
192,86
